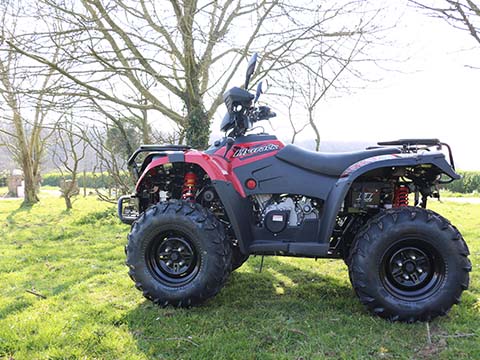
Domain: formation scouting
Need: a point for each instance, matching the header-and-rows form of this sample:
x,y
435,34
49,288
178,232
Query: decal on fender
x,y
255,150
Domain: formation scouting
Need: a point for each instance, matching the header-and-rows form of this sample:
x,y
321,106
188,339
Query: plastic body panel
x,y
275,176
216,167
239,211
220,170
340,190
253,157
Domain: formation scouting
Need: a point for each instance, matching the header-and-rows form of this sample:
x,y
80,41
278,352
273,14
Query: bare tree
x,y
287,100
176,58
26,104
322,75
67,153
461,14
313,92
110,166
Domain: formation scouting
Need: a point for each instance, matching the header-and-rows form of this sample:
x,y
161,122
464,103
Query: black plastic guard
x,y
239,212
339,191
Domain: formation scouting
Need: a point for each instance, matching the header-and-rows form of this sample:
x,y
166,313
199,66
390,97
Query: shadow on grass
x,y
14,307
279,297
23,208
287,311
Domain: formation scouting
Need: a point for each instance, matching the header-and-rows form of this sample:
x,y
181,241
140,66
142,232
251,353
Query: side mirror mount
x,y
261,89
258,92
250,69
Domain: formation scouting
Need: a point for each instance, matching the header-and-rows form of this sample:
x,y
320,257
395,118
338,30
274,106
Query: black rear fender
x,y
433,163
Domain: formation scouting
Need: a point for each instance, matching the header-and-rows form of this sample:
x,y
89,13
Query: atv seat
x,y
333,164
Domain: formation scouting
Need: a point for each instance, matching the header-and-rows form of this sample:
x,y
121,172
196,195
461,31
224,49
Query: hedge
x,y
91,180
469,183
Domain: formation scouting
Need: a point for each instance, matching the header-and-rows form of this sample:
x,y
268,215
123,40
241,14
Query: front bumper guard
x,y
128,209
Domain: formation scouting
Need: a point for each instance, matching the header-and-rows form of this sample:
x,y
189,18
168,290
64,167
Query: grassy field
x,y
294,309
449,194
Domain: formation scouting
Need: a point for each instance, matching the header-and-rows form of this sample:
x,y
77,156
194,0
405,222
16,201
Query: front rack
x,y
155,148
152,149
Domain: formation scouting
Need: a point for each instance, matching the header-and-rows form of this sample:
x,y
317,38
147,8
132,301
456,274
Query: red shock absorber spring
x,y
400,197
189,186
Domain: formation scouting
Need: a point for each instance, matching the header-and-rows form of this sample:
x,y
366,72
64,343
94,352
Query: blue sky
x,y
433,94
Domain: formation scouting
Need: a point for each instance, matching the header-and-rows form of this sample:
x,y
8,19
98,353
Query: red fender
x,y
219,167
216,167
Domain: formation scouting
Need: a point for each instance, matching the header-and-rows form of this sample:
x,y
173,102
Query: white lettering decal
x,y
255,150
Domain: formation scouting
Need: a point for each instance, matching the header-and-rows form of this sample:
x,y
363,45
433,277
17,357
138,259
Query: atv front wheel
x,y
178,254
409,264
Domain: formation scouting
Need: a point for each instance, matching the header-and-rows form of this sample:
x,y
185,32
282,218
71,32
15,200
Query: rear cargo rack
x,y
413,145
411,142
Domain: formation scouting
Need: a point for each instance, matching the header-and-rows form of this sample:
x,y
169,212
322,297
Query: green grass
x,y
49,187
294,309
448,193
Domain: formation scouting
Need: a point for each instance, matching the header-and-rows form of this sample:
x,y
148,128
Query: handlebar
x,y
261,113
246,118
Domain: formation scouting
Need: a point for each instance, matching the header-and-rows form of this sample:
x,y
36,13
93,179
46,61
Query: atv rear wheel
x,y
178,254
409,264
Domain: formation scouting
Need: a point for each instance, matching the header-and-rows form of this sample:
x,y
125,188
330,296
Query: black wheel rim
x,y
412,269
172,259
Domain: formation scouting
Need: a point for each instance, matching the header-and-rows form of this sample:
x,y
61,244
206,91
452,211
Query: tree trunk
x,y
84,183
198,126
146,130
30,179
68,202
24,157
30,190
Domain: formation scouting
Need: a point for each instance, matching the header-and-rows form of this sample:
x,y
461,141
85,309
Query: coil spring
x,y
189,186
400,196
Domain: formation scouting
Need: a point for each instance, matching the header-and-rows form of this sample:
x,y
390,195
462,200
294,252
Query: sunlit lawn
x,y
294,309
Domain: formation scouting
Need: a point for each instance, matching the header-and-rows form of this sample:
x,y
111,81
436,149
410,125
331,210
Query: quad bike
x,y
198,215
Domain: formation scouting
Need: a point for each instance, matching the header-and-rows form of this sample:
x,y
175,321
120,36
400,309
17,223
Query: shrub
x,y
108,216
469,183
90,180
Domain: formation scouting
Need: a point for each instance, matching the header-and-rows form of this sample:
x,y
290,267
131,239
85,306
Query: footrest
x,y
304,249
